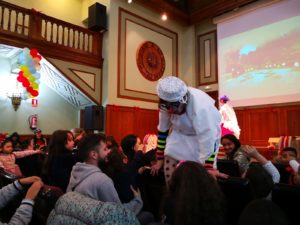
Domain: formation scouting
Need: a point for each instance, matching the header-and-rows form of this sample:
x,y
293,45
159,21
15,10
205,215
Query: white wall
x,y
53,111
66,10
186,52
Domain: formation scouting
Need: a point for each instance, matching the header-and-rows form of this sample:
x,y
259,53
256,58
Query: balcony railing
x,y
52,37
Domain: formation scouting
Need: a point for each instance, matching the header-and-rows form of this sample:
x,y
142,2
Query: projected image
x,y
264,61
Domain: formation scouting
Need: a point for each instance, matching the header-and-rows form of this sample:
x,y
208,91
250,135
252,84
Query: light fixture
x,y
164,16
129,1
13,90
15,100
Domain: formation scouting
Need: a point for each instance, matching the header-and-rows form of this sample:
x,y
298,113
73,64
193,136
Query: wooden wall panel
x,y
262,124
293,120
258,124
147,121
121,121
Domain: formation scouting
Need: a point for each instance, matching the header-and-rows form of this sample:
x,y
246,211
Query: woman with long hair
x,y
194,197
132,148
116,169
234,151
60,160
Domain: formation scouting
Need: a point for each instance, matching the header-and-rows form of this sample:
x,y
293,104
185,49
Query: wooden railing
x,y
52,37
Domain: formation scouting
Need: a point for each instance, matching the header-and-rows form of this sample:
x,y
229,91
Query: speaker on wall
x,y
94,118
97,17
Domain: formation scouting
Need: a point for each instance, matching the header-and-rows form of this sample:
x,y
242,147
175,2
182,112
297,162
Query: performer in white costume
x,y
189,126
229,123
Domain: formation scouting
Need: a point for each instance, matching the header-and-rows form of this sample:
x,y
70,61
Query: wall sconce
x,y
15,100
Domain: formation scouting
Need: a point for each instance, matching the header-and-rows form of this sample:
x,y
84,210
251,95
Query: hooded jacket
x,y
76,209
90,181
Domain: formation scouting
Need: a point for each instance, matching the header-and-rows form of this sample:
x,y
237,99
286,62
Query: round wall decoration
x,y
150,61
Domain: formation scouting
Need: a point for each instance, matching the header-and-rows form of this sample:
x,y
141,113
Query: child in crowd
x,y
149,142
286,156
252,153
133,149
27,145
262,176
16,142
61,158
234,151
8,157
116,169
38,142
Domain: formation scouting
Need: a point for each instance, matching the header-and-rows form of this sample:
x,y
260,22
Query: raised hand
x,y
136,193
250,151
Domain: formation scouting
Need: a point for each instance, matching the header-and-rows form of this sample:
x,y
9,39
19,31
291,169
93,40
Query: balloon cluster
x,y
29,67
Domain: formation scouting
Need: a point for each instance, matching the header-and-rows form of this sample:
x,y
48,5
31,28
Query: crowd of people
x,y
103,181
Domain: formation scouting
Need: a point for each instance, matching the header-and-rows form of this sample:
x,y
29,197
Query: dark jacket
x,y
60,170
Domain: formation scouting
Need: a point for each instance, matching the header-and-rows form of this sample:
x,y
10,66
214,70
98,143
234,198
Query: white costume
x,y
195,134
229,119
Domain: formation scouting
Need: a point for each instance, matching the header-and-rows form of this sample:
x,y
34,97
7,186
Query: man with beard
x,y
88,179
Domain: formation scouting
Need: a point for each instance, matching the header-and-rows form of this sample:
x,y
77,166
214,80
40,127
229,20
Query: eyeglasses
x,y
163,105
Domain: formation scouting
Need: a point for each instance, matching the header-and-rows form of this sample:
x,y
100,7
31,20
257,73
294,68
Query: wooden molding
x,y
202,79
124,17
77,85
88,85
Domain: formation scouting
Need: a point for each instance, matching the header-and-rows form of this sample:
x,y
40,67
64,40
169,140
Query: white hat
x,y
171,89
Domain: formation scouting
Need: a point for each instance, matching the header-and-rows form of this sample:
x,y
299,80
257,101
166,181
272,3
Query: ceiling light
x,y
164,17
129,1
